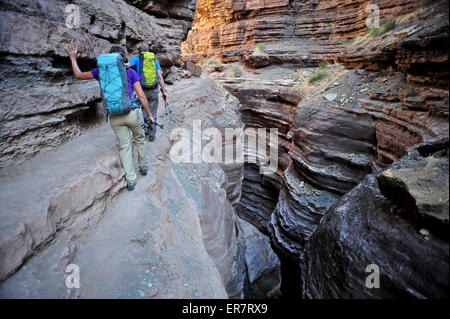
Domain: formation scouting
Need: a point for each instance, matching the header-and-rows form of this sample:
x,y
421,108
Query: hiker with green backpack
x,y
148,68
117,85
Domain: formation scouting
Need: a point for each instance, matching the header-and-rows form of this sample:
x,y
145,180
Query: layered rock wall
x,y
389,94
295,32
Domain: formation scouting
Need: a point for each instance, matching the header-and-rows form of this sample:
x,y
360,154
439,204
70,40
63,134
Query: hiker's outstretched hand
x,y
72,50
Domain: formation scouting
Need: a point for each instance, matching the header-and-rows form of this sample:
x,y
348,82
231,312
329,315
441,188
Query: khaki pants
x,y
153,99
127,128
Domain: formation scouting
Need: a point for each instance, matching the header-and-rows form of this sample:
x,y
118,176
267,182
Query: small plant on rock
x,y
323,65
385,26
212,61
317,76
236,70
202,62
260,47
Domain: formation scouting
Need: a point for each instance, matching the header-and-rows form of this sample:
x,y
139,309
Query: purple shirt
x,y
132,77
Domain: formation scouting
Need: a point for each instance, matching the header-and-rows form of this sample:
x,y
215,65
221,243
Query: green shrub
x,y
373,32
323,65
385,26
352,40
236,69
212,61
317,76
260,47
201,62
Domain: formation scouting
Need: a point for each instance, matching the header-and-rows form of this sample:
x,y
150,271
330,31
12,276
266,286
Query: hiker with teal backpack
x,y
118,84
148,68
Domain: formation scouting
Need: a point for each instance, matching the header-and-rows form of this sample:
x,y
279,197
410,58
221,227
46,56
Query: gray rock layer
x,y
362,230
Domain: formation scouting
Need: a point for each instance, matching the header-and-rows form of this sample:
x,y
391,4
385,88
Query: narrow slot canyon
x,y
360,177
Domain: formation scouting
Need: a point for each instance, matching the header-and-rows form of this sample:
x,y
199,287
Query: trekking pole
x,y
166,104
146,126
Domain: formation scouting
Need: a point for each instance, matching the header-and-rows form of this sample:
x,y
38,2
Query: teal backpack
x,y
112,76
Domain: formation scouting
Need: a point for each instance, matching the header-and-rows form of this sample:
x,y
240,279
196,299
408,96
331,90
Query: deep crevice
x,y
291,279
258,200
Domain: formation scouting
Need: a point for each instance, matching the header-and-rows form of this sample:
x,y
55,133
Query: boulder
x,y
420,185
262,264
194,69
361,235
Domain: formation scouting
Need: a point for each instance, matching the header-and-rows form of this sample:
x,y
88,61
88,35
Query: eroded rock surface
x,y
65,190
337,125
261,262
362,229
419,185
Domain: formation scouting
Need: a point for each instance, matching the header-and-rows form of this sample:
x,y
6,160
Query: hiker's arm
x,y
73,54
161,80
138,89
163,85
78,74
128,64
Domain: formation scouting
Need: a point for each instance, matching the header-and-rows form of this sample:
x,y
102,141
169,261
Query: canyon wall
x,y
379,96
43,104
296,32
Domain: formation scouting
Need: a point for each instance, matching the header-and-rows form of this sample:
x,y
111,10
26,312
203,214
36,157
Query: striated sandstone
x,y
294,32
338,130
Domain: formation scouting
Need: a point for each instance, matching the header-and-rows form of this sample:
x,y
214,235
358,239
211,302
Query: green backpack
x,y
149,76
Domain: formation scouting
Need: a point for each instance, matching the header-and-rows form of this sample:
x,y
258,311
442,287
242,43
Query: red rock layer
x,y
307,30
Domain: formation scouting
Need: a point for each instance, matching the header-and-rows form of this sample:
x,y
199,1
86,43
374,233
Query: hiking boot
x,y
151,138
143,170
130,186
